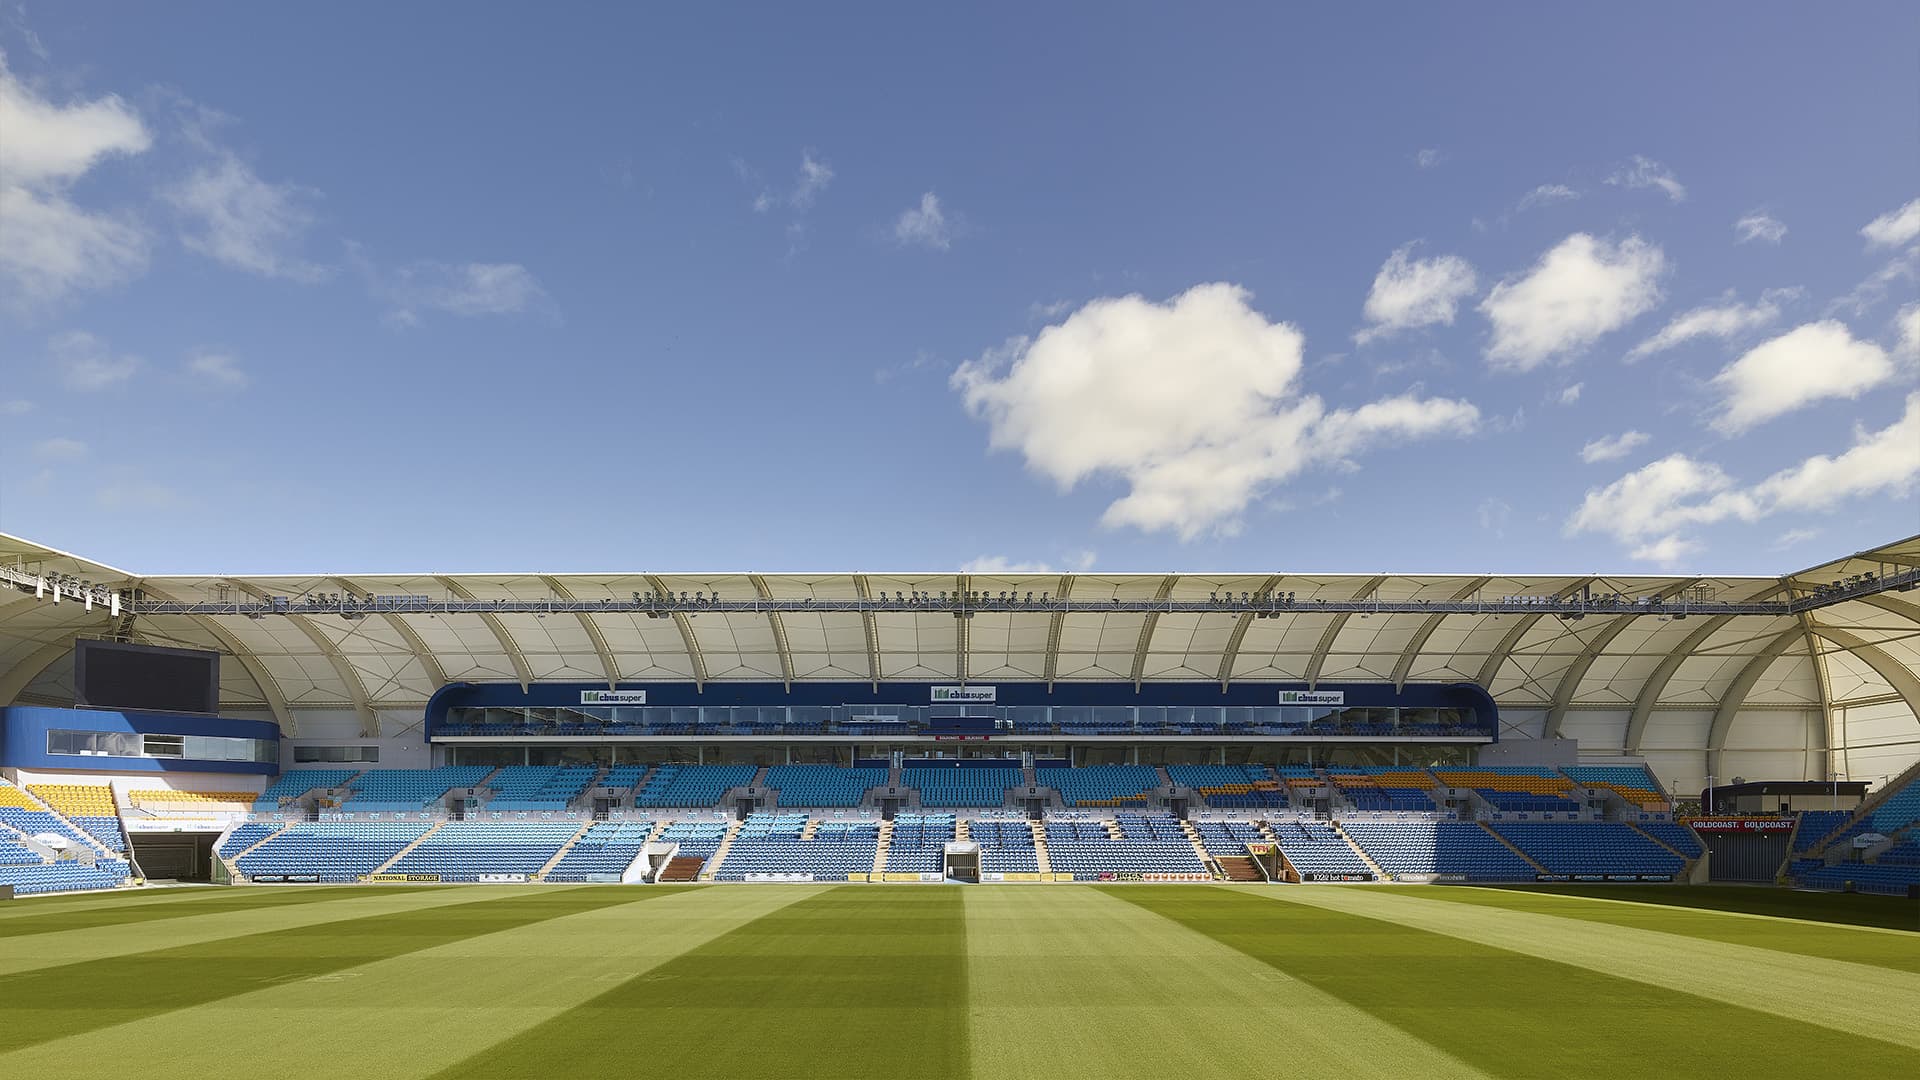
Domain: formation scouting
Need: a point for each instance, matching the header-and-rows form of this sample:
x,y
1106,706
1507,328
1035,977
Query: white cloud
x,y
15,407
1581,290
1040,312
234,217
813,178
1571,394
1644,172
1613,447
1907,324
1654,506
217,368
1895,228
1666,551
86,364
1408,293
1759,226
1806,364
1194,404
924,225
1724,320
1000,565
52,246
1794,538
467,289
1494,514
139,495
60,448
1864,297
1428,158
1885,461
1546,194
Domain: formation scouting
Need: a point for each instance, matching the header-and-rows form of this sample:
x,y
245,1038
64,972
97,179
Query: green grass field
x,y
867,981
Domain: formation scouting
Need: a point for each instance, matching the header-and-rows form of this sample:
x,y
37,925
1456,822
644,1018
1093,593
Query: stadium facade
x,y
1514,699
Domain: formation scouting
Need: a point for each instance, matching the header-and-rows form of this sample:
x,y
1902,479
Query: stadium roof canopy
x,y
1789,648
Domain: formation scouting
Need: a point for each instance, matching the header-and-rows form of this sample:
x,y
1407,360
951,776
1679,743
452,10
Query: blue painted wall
x,y
23,739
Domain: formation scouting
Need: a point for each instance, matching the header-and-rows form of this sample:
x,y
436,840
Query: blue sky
x,y
1131,288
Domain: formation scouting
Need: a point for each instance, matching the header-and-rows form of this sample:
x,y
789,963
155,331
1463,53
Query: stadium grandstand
x,y
940,727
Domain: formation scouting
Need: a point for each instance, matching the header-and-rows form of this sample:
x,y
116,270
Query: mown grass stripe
x,y
136,908
58,948
1065,982
1508,1013
412,1015
1876,946
1844,996
56,1002
853,982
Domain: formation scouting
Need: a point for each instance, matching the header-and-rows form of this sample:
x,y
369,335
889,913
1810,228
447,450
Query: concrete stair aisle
x,y
720,853
1379,874
880,849
812,826
960,829
1200,849
1040,847
1113,828
1508,844
405,851
1868,806
541,873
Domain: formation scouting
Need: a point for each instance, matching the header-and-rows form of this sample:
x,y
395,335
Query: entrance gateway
x,y
963,861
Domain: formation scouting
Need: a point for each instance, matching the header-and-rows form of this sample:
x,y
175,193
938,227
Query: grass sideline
x,y
1852,909
824,982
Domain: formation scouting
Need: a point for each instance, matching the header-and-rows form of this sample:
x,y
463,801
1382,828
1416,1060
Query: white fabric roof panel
x,y
395,661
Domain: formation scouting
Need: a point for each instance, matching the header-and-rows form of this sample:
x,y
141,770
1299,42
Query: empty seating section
x,y
1089,852
65,876
246,836
519,788
14,853
951,786
1891,879
692,785
624,777
1101,785
1231,786
1519,788
294,783
607,848
1005,846
399,791
1228,837
1314,848
1589,847
464,850
823,785
697,839
772,844
1438,847
37,822
1631,782
89,806
1674,835
1816,826
191,802
1388,789
919,843
336,851
1900,810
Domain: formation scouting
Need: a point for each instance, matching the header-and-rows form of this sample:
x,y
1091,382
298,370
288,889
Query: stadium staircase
x,y
540,874
1040,845
1846,832
681,868
1239,868
1508,844
960,830
405,851
232,861
28,795
1378,873
880,849
720,853
1200,849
